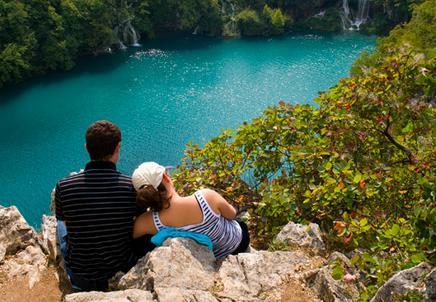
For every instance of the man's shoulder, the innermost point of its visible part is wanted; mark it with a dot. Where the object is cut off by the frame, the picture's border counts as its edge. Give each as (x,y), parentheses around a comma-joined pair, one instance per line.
(73,176)
(125,177)
(76,177)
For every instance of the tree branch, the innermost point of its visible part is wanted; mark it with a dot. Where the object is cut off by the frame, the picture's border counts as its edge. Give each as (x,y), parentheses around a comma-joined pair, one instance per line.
(387,133)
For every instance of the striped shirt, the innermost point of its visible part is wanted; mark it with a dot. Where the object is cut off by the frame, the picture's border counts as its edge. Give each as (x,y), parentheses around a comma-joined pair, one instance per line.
(98,206)
(226,235)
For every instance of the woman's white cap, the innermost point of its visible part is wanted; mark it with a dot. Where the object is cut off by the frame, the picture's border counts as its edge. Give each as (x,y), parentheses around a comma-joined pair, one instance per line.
(148,173)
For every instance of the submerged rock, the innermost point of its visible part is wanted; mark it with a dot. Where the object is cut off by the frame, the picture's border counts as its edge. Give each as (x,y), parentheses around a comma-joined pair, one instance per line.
(419,279)
(130,295)
(299,235)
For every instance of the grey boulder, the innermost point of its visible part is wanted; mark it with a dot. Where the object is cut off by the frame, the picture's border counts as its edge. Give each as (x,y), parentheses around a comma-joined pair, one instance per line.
(130,295)
(419,279)
(327,287)
(15,233)
(299,235)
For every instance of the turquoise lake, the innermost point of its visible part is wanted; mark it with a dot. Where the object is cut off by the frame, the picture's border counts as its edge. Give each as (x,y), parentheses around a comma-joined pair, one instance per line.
(163,95)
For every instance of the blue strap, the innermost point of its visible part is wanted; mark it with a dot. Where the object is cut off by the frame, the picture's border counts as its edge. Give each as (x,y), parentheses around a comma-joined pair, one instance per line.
(159,238)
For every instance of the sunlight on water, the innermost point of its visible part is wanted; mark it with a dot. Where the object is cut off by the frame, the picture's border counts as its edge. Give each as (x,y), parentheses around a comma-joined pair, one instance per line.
(162,96)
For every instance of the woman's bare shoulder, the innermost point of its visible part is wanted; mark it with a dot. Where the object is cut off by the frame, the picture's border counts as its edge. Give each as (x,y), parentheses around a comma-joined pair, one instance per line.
(212,198)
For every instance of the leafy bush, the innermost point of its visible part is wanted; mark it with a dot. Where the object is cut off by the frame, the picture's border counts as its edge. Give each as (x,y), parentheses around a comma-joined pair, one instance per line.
(249,23)
(274,19)
(361,164)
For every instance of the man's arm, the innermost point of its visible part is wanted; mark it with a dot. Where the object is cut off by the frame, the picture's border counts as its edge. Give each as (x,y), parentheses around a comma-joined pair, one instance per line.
(58,204)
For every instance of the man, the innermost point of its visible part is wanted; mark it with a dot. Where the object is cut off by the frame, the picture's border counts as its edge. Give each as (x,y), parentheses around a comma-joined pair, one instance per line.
(95,210)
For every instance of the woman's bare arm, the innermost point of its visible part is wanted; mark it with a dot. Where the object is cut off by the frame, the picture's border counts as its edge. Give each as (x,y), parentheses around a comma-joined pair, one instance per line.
(143,225)
(222,206)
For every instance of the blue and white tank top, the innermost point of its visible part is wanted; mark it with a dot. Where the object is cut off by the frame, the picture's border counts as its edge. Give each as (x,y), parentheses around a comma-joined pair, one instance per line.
(226,235)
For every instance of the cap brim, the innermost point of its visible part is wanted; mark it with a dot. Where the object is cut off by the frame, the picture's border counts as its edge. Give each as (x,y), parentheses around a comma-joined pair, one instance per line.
(169,168)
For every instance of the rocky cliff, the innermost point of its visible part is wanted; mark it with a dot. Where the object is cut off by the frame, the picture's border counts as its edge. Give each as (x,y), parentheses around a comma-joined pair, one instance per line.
(182,270)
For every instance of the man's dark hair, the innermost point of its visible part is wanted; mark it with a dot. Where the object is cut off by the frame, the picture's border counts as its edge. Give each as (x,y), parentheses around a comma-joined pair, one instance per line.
(102,138)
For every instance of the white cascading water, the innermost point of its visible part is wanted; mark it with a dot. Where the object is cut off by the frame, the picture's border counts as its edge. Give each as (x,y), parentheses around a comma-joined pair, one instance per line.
(231,25)
(350,22)
(130,31)
(121,45)
(126,34)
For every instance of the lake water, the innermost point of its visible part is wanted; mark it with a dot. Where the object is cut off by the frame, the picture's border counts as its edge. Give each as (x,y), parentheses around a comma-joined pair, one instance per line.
(162,96)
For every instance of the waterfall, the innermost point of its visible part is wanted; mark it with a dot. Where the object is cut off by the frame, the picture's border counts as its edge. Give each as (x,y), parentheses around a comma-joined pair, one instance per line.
(130,34)
(121,45)
(321,14)
(231,26)
(362,13)
(195,32)
(350,22)
(126,34)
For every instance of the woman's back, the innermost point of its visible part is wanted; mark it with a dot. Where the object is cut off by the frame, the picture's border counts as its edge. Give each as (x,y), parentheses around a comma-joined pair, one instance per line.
(183,211)
(196,214)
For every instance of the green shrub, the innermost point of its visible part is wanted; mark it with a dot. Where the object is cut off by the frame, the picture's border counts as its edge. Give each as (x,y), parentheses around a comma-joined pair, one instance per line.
(361,164)
(249,23)
(274,19)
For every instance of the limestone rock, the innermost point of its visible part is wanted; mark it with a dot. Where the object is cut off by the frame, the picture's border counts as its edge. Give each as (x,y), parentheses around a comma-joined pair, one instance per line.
(430,284)
(252,277)
(48,237)
(53,202)
(130,295)
(15,233)
(30,262)
(182,270)
(20,251)
(405,281)
(178,263)
(173,294)
(329,289)
(308,236)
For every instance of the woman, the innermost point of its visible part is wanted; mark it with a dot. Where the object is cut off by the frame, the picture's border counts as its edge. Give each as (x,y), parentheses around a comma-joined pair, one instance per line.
(205,212)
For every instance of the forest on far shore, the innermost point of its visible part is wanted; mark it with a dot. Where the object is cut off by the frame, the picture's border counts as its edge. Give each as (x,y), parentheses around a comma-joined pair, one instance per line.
(39,36)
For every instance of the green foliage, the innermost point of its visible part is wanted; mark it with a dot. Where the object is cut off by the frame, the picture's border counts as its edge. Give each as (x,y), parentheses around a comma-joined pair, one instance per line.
(13,62)
(361,164)
(249,22)
(388,13)
(274,19)
(53,34)
(268,22)
(329,22)
(174,15)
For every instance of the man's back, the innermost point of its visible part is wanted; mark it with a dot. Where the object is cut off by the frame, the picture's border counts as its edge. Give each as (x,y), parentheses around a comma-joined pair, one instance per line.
(98,207)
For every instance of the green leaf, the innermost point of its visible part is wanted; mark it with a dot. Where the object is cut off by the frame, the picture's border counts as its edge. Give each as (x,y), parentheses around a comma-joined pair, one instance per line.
(395,230)
(338,272)
(357,178)
(408,128)
(418,258)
